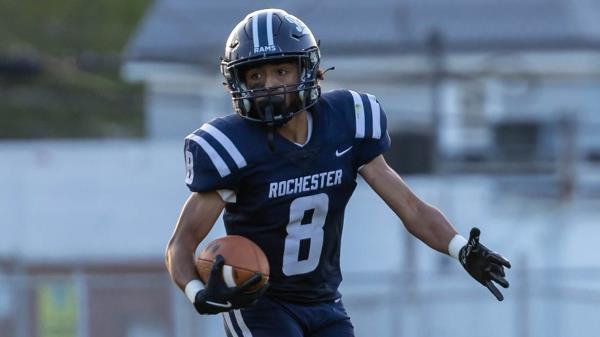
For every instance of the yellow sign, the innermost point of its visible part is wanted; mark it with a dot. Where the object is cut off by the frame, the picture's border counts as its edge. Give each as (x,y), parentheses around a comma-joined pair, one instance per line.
(57,309)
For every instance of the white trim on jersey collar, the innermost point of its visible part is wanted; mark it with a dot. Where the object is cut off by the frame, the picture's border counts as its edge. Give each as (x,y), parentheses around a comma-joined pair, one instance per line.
(309,122)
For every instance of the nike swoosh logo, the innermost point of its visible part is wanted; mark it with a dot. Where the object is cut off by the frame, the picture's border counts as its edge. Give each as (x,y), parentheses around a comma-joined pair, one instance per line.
(339,154)
(217,304)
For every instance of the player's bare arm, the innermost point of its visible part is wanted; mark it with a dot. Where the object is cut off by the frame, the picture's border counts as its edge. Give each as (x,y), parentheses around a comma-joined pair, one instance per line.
(429,225)
(421,219)
(199,214)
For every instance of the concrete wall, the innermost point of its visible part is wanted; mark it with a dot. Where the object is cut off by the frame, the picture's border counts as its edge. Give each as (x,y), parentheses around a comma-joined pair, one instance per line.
(115,202)
(99,200)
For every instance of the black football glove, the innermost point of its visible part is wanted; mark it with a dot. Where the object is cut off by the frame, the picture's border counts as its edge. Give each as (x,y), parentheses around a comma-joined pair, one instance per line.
(218,297)
(483,264)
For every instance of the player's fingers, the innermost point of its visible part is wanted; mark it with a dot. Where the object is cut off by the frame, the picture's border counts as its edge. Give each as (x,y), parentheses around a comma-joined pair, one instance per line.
(217,265)
(494,290)
(264,288)
(474,236)
(499,259)
(252,281)
(496,269)
(258,293)
(499,279)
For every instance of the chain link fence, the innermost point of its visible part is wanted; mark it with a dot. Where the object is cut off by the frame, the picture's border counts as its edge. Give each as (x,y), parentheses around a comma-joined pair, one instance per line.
(550,303)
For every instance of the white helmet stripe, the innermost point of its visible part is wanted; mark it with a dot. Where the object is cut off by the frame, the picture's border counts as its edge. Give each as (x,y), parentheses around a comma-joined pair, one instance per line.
(255,38)
(270,27)
(216,159)
(375,113)
(227,144)
(359,114)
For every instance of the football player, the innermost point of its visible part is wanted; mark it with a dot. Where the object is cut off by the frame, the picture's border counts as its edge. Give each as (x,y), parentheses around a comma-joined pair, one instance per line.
(283,168)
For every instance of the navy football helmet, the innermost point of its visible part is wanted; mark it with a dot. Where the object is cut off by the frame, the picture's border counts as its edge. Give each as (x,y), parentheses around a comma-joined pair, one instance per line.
(271,35)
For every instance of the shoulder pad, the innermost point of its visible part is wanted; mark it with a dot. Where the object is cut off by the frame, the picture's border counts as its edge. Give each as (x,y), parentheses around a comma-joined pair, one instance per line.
(362,112)
(368,116)
(212,158)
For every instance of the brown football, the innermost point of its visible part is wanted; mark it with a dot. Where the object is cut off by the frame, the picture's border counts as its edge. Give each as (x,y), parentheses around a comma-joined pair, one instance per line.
(242,258)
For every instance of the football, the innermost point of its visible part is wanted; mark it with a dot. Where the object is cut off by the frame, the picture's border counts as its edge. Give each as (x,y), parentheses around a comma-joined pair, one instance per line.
(242,258)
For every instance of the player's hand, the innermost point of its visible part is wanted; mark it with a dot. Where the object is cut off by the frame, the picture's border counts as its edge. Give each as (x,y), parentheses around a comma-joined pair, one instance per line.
(483,264)
(249,299)
(218,297)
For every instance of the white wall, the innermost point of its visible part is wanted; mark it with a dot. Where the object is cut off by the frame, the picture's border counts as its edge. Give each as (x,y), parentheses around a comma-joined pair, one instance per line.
(89,199)
(120,199)
(114,200)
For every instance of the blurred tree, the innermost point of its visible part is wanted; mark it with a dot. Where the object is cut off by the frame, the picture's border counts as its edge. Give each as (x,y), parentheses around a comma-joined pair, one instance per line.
(59,69)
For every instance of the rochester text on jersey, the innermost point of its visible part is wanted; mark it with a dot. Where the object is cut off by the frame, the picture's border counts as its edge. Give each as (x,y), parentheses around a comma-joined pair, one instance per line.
(304,184)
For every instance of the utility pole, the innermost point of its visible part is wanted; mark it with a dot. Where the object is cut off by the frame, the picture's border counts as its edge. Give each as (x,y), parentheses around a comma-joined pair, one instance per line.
(435,53)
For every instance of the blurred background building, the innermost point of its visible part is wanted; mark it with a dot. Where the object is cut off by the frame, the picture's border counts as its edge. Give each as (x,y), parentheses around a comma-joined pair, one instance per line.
(494,112)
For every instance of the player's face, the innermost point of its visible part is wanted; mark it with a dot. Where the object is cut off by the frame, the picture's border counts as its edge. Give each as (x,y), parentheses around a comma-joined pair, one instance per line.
(271,75)
(272,83)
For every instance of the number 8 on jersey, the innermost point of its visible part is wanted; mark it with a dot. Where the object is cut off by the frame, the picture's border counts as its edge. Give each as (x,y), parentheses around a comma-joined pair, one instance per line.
(307,218)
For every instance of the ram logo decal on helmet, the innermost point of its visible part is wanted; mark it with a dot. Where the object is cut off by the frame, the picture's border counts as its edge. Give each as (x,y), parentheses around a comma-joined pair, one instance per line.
(300,26)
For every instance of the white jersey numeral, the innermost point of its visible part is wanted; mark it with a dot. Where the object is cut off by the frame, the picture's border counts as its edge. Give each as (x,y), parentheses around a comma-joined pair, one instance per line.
(307,218)
(189,167)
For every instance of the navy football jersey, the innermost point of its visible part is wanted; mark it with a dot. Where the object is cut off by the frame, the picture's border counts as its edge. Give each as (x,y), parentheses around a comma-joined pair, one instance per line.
(291,201)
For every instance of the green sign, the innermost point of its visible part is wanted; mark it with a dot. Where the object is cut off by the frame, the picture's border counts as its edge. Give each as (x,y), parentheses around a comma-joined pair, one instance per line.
(57,309)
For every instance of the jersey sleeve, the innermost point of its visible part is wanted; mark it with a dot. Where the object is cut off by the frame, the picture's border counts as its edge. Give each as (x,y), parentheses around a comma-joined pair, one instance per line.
(212,160)
(371,134)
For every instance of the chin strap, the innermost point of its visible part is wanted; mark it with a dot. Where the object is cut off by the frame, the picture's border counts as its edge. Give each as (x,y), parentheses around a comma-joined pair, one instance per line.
(271,139)
(271,132)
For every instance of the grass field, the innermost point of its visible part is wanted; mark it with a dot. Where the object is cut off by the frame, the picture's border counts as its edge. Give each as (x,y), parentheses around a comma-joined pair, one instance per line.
(73,88)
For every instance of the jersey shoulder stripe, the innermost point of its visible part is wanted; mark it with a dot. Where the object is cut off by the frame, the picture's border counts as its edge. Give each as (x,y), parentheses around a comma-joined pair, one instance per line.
(376,116)
(216,139)
(231,149)
(359,114)
(214,156)
(367,113)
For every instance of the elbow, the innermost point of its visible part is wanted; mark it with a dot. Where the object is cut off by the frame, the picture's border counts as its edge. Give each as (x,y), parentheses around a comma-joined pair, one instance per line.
(178,248)
(169,253)
(419,218)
